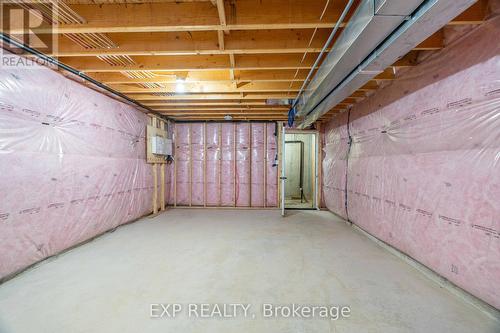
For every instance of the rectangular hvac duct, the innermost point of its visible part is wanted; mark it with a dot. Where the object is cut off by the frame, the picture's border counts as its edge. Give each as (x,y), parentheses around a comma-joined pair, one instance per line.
(372,22)
(395,7)
(429,17)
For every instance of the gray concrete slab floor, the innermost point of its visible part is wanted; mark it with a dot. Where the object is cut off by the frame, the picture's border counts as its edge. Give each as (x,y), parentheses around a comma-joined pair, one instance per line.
(194,256)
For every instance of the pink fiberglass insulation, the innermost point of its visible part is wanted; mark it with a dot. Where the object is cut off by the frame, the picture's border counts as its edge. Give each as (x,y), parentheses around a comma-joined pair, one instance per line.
(227,162)
(182,139)
(72,165)
(243,167)
(423,172)
(257,168)
(197,157)
(228,196)
(271,166)
(213,151)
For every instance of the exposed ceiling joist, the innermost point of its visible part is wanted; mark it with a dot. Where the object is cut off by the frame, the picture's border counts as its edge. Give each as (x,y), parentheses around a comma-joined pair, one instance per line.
(212,88)
(195,63)
(231,96)
(208,104)
(257,62)
(230,58)
(204,76)
(203,16)
(287,41)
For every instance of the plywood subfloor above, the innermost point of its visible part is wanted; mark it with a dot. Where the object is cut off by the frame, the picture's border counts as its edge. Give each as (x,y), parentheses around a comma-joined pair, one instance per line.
(165,50)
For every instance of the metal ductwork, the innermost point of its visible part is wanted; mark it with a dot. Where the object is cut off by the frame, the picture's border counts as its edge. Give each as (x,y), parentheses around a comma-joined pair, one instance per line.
(379,33)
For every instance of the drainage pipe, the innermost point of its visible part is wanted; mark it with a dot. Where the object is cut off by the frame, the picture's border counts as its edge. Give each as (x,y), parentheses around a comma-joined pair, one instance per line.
(301,168)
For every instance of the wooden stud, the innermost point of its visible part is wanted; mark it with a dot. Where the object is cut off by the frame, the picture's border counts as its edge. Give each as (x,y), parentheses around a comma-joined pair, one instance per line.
(234,163)
(250,163)
(155,178)
(155,189)
(265,166)
(174,139)
(154,169)
(314,142)
(162,177)
(220,163)
(204,164)
(190,166)
(320,164)
(157,126)
(280,154)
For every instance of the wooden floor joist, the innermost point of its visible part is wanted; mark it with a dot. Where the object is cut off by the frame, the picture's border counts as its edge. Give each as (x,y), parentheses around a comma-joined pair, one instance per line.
(192,16)
(161,44)
(190,60)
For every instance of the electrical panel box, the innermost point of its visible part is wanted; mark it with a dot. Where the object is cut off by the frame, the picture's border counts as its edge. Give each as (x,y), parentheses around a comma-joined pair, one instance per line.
(161,146)
(158,146)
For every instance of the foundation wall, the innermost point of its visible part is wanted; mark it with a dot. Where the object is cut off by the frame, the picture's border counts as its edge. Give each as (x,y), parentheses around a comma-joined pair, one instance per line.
(72,164)
(423,170)
(225,165)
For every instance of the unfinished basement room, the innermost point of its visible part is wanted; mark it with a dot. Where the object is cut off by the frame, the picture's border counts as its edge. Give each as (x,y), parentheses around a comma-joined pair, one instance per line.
(281,166)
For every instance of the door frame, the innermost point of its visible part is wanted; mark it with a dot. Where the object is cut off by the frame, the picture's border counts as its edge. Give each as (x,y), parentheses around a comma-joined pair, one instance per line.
(282,170)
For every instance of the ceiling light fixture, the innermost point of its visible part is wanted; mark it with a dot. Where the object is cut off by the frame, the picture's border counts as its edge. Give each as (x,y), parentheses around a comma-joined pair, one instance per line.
(179,86)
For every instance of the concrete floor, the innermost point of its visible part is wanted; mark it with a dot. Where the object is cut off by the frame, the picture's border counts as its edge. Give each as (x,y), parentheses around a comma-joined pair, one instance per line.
(223,256)
(296,204)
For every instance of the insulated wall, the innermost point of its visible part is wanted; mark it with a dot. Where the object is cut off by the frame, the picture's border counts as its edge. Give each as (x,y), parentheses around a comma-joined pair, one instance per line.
(423,170)
(72,165)
(225,164)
